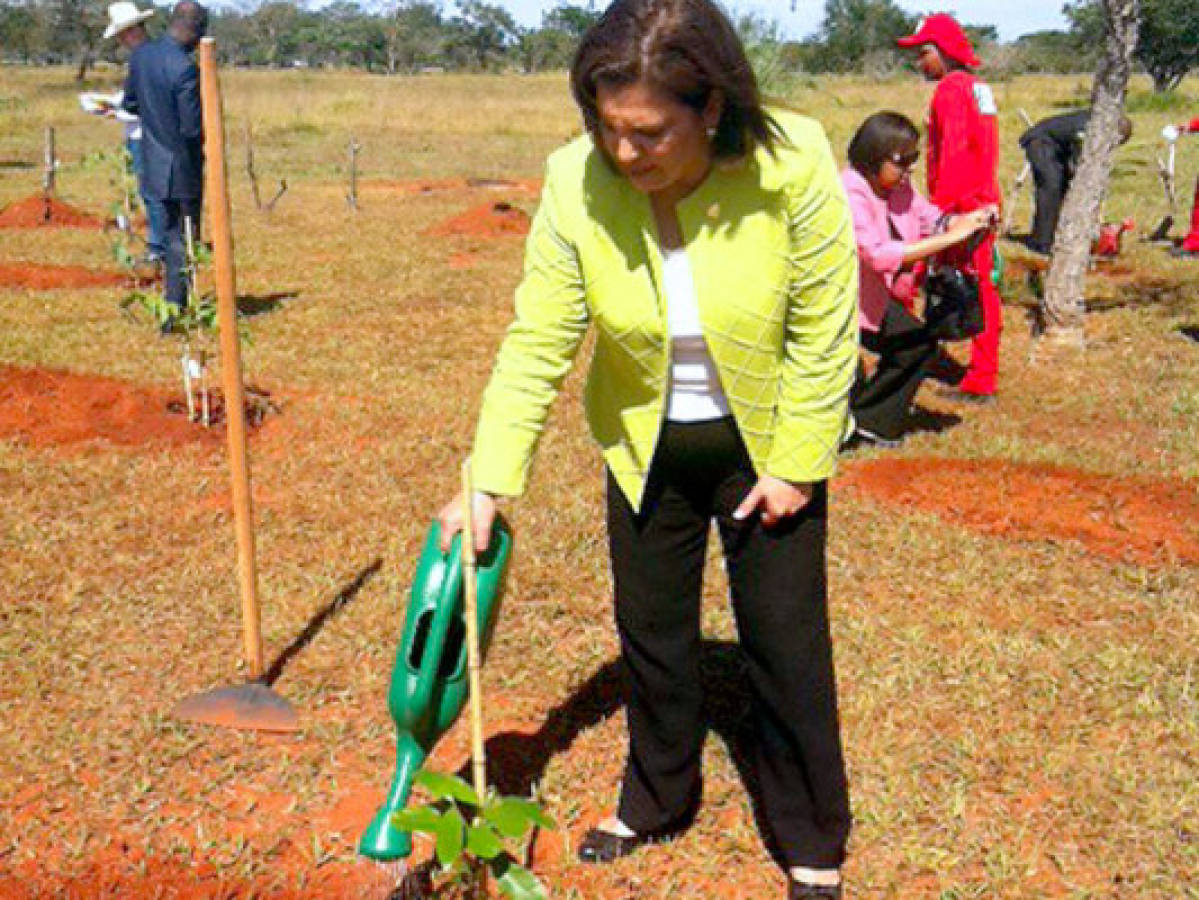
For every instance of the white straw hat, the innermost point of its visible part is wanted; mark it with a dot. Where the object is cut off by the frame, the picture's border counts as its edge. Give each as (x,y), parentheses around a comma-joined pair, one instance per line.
(124,15)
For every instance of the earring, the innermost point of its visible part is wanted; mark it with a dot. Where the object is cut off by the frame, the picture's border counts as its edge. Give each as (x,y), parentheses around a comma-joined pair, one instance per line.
(710,131)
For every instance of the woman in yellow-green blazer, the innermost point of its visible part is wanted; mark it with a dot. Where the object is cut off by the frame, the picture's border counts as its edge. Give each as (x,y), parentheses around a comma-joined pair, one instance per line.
(708,243)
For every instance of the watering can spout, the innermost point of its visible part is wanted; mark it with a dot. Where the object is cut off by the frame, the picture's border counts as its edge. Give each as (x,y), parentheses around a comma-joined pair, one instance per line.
(429,684)
(382,841)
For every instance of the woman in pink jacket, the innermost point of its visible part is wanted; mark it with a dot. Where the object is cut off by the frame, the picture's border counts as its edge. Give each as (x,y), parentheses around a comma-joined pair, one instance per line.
(895,228)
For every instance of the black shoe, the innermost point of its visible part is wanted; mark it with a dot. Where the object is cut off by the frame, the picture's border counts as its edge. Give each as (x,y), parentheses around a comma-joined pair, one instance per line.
(601,847)
(804,891)
(957,395)
(874,439)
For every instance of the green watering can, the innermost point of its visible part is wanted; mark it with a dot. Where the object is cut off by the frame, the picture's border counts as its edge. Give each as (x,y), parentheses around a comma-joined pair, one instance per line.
(429,684)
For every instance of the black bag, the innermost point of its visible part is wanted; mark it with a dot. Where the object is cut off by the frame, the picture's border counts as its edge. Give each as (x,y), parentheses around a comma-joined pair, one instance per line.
(952,311)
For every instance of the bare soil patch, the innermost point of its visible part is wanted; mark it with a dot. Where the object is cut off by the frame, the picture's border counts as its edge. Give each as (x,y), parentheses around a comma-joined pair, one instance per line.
(31,213)
(488,220)
(53,409)
(1133,520)
(41,277)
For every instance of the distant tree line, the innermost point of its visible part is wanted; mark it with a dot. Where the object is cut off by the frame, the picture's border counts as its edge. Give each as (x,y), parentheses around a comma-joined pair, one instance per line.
(395,36)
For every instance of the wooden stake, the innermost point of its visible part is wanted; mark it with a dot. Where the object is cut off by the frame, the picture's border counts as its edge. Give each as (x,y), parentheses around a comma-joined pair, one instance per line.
(216,189)
(250,167)
(49,165)
(474,660)
(352,196)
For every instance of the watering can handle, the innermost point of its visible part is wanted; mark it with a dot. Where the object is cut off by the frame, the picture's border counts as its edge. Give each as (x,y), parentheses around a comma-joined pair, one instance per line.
(449,601)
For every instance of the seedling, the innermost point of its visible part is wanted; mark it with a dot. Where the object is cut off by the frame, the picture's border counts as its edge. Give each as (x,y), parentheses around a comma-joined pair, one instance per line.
(471,836)
(195,324)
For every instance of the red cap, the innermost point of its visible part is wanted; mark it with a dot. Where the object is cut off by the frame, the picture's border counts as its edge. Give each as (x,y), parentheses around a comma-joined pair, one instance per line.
(942,31)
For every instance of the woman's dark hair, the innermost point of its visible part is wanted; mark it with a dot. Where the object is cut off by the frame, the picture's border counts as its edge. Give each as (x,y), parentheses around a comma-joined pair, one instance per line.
(688,49)
(878,139)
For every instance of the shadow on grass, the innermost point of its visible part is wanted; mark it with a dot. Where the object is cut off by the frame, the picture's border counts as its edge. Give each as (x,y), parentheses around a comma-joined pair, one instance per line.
(921,419)
(517,761)
(312,629)
(250,305)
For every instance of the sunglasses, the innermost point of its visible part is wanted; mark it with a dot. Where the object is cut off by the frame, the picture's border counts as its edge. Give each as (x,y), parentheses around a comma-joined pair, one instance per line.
(905,160)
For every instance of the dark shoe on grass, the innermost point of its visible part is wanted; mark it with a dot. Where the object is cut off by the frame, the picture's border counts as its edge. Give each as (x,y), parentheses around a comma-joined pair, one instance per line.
(601,847)
(866,436)
(803,891)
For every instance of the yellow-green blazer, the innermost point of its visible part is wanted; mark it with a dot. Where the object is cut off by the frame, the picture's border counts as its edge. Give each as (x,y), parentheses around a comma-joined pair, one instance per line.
(772,250)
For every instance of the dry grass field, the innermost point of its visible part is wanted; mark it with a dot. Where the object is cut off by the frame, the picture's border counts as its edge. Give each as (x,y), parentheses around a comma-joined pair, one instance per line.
(1013,592)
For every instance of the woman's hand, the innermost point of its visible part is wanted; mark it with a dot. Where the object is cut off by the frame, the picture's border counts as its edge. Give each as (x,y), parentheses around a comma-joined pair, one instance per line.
(964,225)
(774,499)
(451,519)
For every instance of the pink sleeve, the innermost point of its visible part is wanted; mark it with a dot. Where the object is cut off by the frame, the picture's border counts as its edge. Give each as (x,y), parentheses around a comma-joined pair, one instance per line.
(877,249)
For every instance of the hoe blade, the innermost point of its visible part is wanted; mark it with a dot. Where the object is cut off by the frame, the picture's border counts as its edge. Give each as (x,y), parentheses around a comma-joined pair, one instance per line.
(252,706)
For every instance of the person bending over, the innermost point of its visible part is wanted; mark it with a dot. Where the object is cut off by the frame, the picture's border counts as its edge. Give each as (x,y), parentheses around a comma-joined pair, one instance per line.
(707,242)
(895,228)
(1053,147)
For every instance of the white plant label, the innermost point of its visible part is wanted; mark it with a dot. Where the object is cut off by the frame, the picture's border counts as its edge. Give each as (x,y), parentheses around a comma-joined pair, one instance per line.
(985,99)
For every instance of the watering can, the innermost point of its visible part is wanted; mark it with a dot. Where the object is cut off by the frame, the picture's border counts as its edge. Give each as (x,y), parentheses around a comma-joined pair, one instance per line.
(429,684)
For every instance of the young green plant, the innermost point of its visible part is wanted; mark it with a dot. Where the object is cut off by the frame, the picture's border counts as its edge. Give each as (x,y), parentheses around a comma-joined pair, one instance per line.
(471,835)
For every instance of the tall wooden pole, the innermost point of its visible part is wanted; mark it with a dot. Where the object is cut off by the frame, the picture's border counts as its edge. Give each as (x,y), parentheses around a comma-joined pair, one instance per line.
(474,653)
(216,188)
(474,656)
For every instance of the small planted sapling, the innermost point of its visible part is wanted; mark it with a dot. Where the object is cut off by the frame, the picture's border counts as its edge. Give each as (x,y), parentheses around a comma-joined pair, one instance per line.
(471,835)
(195,325)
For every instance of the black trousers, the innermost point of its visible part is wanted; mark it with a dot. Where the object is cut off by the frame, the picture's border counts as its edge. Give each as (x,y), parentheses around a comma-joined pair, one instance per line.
(702,471)
(881,402)
(175,258)
(1051,174)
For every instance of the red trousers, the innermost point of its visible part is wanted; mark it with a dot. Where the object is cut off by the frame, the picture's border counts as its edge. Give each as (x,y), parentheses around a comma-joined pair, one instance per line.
(1191,241)
(982,374)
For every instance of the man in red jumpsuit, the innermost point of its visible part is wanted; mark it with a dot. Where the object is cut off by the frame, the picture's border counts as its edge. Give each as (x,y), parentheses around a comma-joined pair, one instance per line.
(963,157)
(1190,243)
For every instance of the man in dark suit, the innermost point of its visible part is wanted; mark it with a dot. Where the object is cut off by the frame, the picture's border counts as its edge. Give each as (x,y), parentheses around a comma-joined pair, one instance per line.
(1053,147)
(163,88)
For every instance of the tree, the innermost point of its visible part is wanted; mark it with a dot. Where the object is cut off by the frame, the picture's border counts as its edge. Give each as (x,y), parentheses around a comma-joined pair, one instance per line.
(74,28)
(571,19)
(415,35)
(22,32)
(852,29)
(1062,307)
(485,31)
(1169,44)
(1169,36)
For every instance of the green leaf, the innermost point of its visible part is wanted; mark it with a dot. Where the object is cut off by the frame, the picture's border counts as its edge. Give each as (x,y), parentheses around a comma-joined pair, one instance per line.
(513,816)
(447,787)
(451,834)
(422,818)
(515,880)
(482,841)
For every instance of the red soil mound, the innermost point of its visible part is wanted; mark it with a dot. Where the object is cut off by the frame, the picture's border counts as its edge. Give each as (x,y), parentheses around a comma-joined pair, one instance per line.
(48,408)
(31,213)
(40,277)
(488,220)
(1127,519)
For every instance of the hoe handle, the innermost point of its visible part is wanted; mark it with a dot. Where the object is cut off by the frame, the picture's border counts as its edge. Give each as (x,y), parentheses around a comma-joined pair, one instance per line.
(235,401)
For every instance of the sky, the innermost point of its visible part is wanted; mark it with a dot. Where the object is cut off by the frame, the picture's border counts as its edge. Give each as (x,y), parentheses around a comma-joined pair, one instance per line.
(1011,17)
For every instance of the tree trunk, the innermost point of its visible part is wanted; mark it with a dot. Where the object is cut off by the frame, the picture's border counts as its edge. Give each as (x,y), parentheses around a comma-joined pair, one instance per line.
(1063,310)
